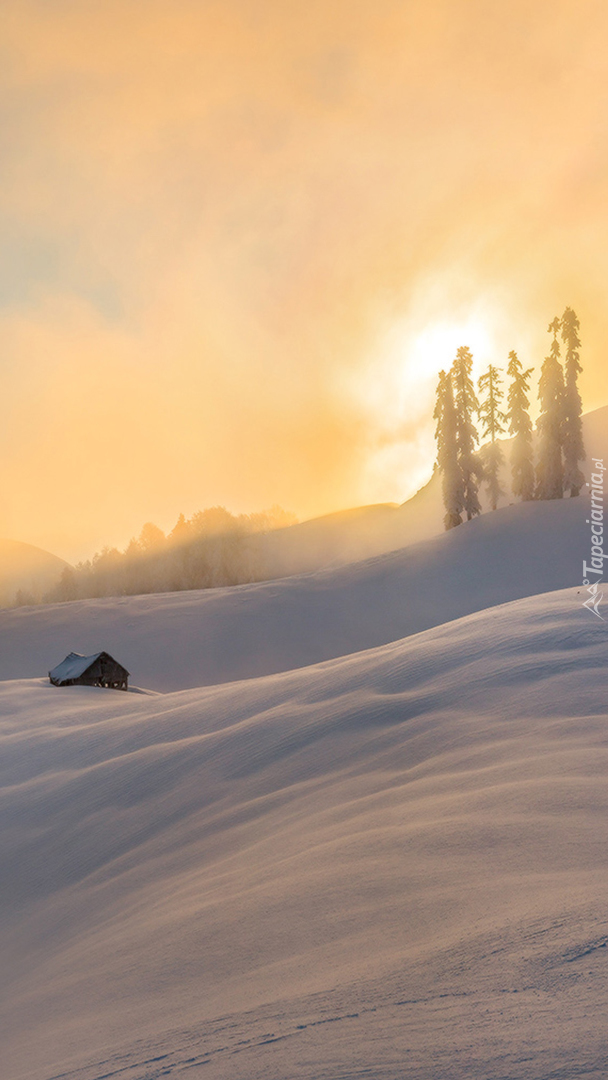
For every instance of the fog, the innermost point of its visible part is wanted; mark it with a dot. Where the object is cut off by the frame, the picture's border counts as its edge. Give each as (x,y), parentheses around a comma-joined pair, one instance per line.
(240,239)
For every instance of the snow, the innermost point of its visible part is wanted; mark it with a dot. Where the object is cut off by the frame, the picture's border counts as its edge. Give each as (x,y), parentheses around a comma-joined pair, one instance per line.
(392,864)
(375,844)
(180,640)
(73,666)
(328,541)
(358,534)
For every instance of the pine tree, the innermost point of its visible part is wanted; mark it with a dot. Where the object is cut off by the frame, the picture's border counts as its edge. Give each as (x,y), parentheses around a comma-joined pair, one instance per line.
(520,426)
(493,425)
(467,406)
(574,449)
(447,452)
(550,472)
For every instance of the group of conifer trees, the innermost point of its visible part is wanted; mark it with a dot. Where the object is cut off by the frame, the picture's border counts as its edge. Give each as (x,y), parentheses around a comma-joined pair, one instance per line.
(212,548)
(560,432)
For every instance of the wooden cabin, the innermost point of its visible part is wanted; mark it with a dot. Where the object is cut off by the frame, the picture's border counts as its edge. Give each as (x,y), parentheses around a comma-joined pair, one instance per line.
(101,669)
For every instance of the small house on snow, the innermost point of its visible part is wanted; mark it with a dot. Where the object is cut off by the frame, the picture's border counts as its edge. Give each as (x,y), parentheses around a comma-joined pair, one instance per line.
(101,669)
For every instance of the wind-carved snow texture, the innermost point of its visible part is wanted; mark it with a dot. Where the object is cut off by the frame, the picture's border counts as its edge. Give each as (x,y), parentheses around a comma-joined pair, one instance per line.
(389,865)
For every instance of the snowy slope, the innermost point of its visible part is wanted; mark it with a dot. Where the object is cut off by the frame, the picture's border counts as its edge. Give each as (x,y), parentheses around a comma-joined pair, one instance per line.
(28,568)
(392,865)
(328,541)
(371,530)
(180,640)
(348,535)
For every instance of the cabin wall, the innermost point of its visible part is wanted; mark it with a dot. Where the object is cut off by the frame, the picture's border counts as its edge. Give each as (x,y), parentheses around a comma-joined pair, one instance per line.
(105,672)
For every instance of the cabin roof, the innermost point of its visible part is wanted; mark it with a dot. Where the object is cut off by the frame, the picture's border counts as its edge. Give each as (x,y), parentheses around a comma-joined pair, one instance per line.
(75,665)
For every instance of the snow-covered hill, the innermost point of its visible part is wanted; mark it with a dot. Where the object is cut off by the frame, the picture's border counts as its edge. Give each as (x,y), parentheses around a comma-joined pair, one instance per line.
(372,530)
(26,568)
(391,865)
(179,640)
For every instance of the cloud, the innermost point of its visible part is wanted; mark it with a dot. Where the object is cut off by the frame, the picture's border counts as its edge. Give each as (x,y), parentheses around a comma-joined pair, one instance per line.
(218,213)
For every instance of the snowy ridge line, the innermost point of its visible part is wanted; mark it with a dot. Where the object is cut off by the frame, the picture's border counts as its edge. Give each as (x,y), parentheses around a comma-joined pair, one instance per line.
(183,640)
(333,539)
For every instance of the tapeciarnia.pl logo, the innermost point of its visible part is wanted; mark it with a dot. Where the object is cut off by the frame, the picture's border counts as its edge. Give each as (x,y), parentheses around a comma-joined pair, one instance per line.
(596,521)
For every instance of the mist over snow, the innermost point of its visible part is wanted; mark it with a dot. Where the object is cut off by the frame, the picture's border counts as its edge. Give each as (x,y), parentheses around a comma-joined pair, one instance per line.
(392,864)
(27,569)
(179,640)
(351,821)
(335,859)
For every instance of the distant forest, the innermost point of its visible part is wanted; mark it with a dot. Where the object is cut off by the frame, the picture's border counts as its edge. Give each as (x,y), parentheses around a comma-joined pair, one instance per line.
(560,447)
(215,548)
(211,548)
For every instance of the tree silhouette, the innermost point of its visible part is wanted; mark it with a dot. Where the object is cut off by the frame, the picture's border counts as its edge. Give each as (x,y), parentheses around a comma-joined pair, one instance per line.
(520,426)
(574,449)
(467,406)
(492,425)
(447,452)
(549,472)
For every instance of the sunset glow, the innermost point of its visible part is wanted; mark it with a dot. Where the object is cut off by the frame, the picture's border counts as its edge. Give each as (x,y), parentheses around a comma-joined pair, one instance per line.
(303,596)
(240,240)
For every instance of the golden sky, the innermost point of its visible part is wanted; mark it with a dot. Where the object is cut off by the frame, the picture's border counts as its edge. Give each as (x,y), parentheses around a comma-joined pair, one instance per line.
(240,238)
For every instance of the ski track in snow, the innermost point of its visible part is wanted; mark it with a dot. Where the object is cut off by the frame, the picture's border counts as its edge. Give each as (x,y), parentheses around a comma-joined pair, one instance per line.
(230,1046)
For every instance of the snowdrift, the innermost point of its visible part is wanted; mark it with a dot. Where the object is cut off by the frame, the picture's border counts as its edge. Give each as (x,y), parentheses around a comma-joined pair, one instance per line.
(179,640)
(391,865)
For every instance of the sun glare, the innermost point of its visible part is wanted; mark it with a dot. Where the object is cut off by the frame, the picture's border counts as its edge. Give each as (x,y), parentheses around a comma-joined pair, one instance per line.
(399,389)
(412,357)
(434,348)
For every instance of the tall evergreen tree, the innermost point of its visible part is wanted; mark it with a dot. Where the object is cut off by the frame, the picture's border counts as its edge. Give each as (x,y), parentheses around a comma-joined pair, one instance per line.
(447,452)
(467,406)
(520,426)
(550,472)
(574,449)
(492,426)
